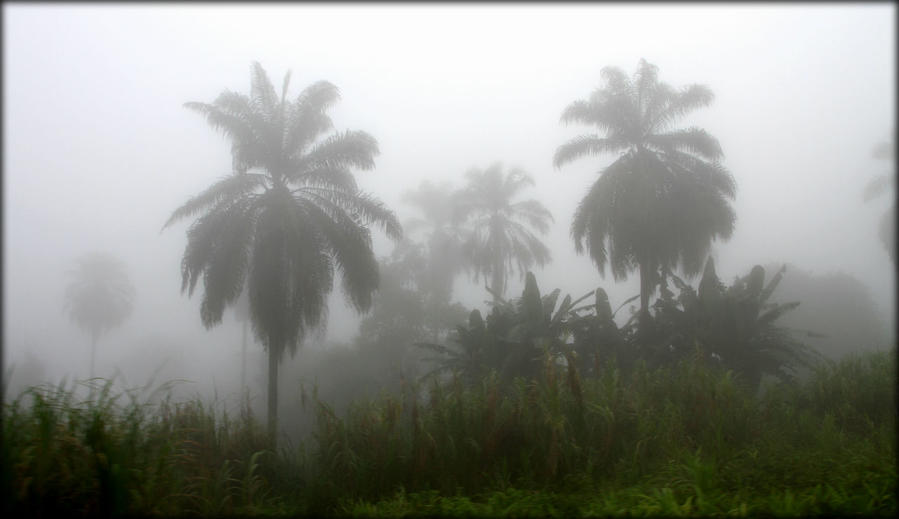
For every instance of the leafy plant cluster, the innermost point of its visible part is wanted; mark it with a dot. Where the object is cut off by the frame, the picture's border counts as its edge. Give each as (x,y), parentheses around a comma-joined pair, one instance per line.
(733,327)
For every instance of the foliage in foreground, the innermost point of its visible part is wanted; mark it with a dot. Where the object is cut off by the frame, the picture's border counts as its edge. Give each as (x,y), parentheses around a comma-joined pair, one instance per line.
(680,440)
(111,454)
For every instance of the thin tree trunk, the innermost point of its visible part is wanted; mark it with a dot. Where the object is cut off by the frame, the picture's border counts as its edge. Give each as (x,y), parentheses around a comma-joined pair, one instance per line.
(497,282)
(243,362)
(93,352)
(646,287)
(272,396)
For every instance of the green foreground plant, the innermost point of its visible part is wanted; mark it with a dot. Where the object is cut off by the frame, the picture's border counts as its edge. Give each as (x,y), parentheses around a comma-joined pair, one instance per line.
(686,439)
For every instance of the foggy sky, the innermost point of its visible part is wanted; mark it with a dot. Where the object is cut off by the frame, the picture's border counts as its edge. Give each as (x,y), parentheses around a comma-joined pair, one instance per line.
(98,150)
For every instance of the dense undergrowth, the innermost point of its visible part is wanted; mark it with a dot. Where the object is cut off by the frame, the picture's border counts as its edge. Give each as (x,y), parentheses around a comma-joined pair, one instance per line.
(684,439)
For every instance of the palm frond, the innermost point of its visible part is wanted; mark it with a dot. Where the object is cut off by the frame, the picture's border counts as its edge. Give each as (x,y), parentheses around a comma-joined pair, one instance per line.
(235,127)
(685,101)
(692,140)
(616,80)
(514,181)
(307,118)
(350,246)
(284,86)
(226,189)
(224,273)
(365,209)
(262,92)
(325,176)
(585,145)
(645,80)
(534,213)
(349,149)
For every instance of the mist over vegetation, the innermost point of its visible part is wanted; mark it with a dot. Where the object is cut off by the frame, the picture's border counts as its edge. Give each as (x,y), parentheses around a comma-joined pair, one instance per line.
(492,263)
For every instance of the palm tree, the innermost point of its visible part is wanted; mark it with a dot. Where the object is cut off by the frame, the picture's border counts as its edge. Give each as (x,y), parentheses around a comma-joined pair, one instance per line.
(884,184)
(501,236)
(99,296)
(666,197)
(287,217)
(439,220)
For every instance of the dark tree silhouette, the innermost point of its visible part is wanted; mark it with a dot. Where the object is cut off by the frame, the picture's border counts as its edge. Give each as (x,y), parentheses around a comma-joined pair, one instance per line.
(666,197)
(287,217)
(99,296)
(501,237)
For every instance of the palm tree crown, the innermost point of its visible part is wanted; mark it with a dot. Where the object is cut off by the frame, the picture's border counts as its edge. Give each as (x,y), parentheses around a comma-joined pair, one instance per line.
(287,217)
(501,238)
(666,197)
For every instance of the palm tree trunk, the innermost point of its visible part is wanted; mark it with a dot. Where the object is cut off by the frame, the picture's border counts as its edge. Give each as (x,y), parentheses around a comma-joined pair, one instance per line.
(272,395)
(646,288)
(93,352)
(243,361)
(497,281)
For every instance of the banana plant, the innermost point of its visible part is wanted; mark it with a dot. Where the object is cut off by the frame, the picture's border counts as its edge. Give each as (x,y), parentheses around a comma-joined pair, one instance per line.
(515,337)
(736,325)
(541,328)
(598,339)
(472,354)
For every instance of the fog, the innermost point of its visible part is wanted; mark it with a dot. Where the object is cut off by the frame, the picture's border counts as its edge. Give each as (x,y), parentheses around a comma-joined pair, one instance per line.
(99,150)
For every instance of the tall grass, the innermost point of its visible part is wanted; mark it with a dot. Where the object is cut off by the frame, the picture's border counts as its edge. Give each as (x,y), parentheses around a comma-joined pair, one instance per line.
(684,439)
(111,454)
(689,428)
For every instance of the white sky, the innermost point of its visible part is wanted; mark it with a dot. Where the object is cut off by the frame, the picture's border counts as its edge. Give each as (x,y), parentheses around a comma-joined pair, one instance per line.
(98,149)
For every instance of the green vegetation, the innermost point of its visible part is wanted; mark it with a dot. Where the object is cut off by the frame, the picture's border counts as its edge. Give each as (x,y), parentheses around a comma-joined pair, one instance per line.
(544,406)
(684,439)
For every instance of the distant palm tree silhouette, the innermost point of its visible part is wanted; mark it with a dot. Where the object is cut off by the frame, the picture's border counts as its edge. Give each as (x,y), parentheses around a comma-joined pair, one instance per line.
(99,296)
(502,237)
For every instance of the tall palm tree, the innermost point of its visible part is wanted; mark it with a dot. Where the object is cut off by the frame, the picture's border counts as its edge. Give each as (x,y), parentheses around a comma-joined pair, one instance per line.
(287,217)
(666,196)
(501,237)
(443,235)
(99,296)
(879,185)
